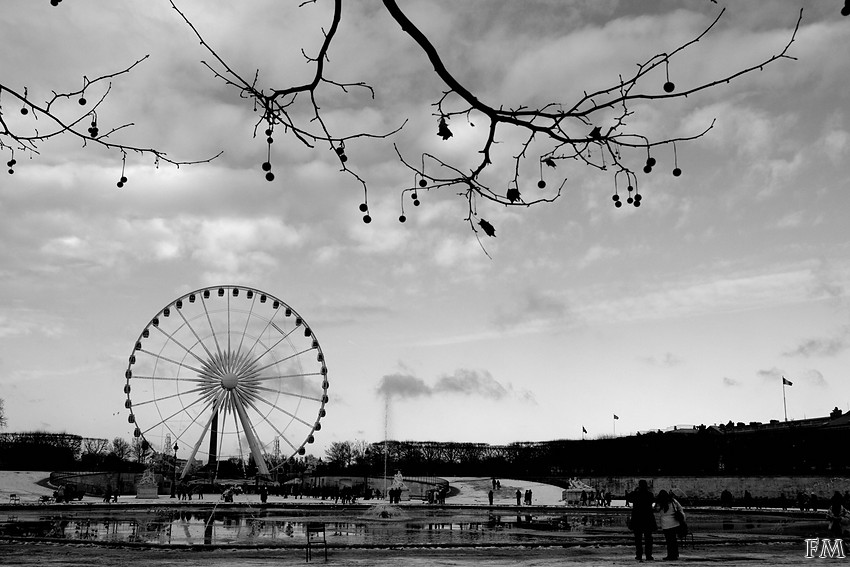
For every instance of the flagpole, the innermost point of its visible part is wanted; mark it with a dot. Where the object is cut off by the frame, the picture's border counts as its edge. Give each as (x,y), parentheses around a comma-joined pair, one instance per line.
(784,406)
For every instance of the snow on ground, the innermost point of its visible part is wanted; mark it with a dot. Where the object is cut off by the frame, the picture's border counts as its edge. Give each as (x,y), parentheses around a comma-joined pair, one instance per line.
(23,483)
(473,490)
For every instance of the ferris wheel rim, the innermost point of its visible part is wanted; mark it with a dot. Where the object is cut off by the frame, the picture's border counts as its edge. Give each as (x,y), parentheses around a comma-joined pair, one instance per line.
(240,389)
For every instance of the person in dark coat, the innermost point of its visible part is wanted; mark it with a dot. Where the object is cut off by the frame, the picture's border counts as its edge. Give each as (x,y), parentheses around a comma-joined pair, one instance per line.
(642,521)
(839,517)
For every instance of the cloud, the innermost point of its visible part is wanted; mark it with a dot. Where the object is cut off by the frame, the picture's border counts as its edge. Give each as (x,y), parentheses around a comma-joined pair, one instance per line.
(597,253)
(729,382)
(703,293)
(772,374)
(791,220)
(450,252)
(24,321)
(463,381)
(836,144)
(403,386)
(823,346)
(383,236)
(814,378)
(811,377)
(668,360)
(829,280)
(532,306)
(234,247)
(351,311)
(470,382)
(237,246)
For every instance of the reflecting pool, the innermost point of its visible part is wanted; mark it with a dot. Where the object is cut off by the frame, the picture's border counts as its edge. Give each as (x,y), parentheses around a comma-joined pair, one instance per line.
(375,526)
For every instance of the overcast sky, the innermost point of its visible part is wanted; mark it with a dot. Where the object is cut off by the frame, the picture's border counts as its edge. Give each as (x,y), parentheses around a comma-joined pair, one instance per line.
(685,311)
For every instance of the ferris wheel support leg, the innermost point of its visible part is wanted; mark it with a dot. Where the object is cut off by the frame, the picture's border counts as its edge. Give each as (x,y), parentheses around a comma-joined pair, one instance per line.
(256,451)
(198,442)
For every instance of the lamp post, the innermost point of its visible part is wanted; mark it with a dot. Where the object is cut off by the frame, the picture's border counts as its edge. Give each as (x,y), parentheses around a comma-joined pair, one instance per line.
(174,472)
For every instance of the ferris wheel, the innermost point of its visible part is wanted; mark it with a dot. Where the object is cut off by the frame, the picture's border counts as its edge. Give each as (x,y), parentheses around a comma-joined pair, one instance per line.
(227,371)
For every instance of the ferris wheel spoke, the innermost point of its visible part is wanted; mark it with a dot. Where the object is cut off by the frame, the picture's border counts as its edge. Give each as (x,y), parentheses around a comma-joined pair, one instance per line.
(152,400)
(283,338)
(228,321)
(250,435)
(256,371)
(169,378)
(276,430)
(280,377)
(178,343)
(288,442)
(249,401)
(191,423)
(210,376)
(165,358)
(280,409)
(247,322)
(194,332)
(225,408)
(182,409)
(303,397)
(236,426)
(212,329)
(269,323)
(240,363)
(212,403)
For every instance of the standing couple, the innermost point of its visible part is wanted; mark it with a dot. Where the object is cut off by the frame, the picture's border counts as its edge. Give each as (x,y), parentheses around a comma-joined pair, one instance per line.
(642,521)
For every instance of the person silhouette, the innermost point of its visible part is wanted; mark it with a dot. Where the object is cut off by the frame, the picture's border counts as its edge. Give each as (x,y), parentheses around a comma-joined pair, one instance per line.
(642,521)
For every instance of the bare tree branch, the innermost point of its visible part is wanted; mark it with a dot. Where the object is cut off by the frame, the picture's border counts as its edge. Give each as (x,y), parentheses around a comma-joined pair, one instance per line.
(551,121)
(29,140)
(578,132)
(591,131)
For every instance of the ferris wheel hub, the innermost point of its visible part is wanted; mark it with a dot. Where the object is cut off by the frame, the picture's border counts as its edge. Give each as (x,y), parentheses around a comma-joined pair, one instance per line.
(229,380)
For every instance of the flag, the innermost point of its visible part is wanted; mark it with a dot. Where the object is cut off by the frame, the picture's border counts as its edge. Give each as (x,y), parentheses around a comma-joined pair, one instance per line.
(786,382)
(583,430)
(616,416)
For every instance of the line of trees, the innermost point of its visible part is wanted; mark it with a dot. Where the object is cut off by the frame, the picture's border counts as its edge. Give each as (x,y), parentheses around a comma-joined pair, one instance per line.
(342,455)
(40,450)
(702,451)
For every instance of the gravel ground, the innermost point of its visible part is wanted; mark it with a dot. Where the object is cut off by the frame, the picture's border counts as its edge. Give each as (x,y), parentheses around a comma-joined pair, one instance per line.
(67,555)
